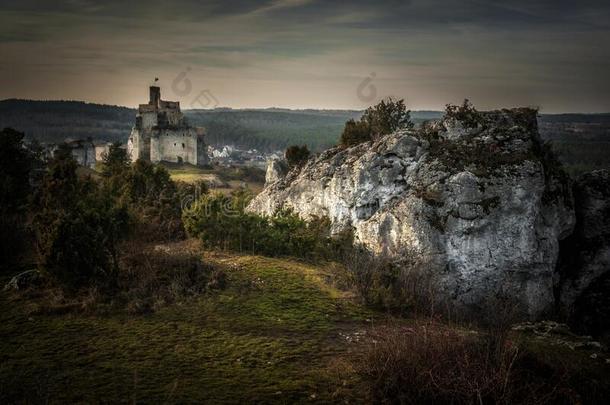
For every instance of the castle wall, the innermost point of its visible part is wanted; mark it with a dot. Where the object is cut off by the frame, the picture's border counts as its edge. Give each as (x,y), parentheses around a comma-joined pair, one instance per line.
(138,145)
(100,150)
(149,119)
(162,133)
(174,118)
(174,145)
(155,149)
(84,155)
(133,147)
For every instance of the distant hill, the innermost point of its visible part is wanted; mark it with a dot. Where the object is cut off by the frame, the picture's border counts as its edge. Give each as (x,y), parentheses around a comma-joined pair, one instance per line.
(264,129)
(583,140)
(272,129)
(53,121)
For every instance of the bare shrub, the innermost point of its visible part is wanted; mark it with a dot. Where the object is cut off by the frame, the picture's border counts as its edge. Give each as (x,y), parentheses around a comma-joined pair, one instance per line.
(91,299)
(429,362)
(408,286)
(419,288)
(148,227)
(495,318)
(154,277)
(361,268)
(149,277)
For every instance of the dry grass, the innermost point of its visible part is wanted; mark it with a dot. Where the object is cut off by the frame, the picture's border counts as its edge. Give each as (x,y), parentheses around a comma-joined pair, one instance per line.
(220,179)
(151,277)
(155,276)
(429,362)
(406,288)
(467,358)
(265,338)
(276,327)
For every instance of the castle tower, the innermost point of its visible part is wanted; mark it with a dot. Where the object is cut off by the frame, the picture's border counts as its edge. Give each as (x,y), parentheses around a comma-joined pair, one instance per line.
(155,96)
(162,133)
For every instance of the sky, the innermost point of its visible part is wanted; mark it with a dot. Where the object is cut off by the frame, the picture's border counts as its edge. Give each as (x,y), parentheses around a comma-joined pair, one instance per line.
(550,54)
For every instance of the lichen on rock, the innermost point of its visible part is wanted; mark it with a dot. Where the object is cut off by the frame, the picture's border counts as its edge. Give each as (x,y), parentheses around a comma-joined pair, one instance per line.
(475,200)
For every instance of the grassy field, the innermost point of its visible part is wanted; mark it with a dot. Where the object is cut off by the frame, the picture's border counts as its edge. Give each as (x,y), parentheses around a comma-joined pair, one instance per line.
(222,179)
(268,337)
(280,332)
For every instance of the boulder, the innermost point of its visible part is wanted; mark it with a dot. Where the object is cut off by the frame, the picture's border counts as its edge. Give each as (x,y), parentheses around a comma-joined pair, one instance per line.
(484,205)
(276,170)
(23,281)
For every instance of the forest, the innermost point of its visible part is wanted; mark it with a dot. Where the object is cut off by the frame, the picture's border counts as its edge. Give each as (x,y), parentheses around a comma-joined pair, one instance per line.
(582,141)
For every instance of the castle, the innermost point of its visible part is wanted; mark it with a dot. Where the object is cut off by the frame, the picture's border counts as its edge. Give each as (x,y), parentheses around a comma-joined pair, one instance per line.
(162,133)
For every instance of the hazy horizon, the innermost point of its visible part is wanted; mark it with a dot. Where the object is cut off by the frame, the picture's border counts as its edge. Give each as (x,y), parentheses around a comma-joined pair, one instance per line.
(440,110)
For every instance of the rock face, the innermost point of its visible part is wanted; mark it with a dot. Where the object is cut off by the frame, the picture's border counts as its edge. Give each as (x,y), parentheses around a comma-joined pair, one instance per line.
(276,170)
(585,288)
(23,281)
(476,197)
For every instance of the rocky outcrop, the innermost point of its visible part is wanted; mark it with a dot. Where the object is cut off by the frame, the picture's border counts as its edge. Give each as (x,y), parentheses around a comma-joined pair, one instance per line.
(23,281)
(585,289)
(478,198)
(276,170)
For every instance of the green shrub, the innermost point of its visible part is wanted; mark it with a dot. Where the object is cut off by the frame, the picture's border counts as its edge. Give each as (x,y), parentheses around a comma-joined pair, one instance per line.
(465,113)
(297,155)
(401,288)
(77,227)
(16,163)
(388,116)
(354,133)
(153,199)
(115,163)
(221,222)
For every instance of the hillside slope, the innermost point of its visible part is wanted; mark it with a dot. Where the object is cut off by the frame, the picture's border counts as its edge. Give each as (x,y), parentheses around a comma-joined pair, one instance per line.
(278,333)
(268,337)
(480,204)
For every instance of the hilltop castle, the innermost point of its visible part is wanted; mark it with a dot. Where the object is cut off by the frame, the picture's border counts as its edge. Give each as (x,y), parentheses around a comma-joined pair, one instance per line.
(162,133)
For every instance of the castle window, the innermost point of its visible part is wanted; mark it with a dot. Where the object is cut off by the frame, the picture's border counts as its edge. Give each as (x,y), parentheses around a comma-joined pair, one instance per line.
(182,146)
(174,143)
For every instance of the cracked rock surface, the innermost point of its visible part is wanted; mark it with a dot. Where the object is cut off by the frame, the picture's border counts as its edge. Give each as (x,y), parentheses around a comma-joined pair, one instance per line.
(484,205)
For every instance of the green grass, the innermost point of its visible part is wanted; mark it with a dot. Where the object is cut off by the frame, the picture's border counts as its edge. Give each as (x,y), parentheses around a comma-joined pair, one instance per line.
(276,334)
(268,337)
(222,179)
(189,173)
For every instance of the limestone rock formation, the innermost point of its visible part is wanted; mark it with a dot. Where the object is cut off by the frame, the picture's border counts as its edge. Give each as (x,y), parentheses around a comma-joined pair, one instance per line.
(585,255)
(478,197)
(276,170)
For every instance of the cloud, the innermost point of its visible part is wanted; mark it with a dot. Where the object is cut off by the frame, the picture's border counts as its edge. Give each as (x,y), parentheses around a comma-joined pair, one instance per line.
(425,49)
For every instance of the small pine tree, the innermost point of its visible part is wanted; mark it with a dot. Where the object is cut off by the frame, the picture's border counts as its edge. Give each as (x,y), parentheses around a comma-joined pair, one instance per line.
(297,155)
(77,227)
(465,113)
(355,132)
(16,163)
(115,168)
(387,116)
